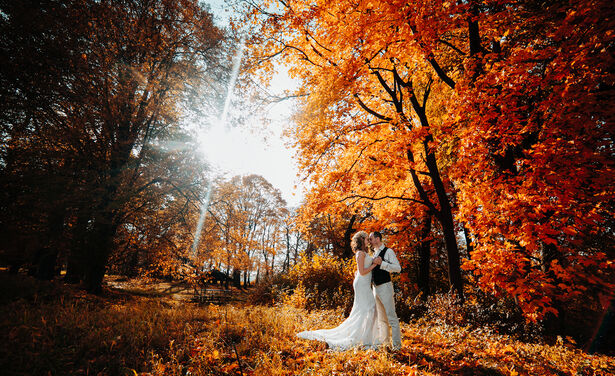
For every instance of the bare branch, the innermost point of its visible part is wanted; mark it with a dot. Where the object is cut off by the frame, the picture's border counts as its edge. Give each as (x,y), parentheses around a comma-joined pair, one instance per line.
(386,197)
(370,111)
(451,46)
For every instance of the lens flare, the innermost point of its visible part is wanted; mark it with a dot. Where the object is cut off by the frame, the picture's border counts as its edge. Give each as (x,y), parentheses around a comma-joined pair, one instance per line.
(222,124)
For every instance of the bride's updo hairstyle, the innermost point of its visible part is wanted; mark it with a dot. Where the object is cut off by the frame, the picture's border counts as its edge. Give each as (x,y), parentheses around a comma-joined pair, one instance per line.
(358,241)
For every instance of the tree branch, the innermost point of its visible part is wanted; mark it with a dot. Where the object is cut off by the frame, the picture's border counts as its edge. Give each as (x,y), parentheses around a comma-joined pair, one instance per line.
(419,187)
(451,46)
(386,197)
(440,72)
(370,111)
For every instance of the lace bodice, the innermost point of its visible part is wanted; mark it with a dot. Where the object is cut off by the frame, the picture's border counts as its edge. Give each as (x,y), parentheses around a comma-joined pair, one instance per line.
(366,264)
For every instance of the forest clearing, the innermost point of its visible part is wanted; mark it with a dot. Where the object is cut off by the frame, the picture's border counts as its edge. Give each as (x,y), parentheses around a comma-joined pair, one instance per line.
(307,187)
(49,328)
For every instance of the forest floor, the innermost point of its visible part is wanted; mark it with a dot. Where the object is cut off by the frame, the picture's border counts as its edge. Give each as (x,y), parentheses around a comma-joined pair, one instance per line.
(156,288)
(138,328)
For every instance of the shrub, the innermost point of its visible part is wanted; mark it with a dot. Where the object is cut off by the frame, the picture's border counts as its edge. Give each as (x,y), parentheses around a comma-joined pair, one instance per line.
(271,289)
(321,282)
(502,315)
(327,282)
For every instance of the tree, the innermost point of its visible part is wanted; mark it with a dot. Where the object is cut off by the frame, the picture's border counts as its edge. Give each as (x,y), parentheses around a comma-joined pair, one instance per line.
(363,132)
(535,149)
(249,214)
(94,89)
(472,111)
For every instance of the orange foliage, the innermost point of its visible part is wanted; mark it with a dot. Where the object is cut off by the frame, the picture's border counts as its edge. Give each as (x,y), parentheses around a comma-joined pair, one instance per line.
(503,104)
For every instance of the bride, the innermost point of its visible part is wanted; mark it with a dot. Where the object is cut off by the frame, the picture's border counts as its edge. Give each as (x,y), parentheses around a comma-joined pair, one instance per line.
(361,327)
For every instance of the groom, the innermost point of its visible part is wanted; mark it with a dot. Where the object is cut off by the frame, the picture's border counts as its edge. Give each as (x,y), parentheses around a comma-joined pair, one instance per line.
(383,287)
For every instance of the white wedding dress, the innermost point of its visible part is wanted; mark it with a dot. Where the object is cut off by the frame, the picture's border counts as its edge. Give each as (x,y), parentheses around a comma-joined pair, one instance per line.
(361,327)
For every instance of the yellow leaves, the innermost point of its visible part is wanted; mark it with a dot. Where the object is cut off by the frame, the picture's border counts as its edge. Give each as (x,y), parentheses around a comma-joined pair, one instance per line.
(269,345)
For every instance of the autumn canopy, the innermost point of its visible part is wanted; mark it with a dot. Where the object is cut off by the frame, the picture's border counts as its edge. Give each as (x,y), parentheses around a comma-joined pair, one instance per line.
(489,119)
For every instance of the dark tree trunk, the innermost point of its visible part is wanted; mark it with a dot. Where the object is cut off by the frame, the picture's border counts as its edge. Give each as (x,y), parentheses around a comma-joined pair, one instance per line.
(246,275)
(99,249)
(469,246)
(75,259)
(286,263)
(133,263)
(237,278)
(446,220)
(74,270)
(424,253)
(604,333)
(46,263)
(309,250)
(48,254)
(548,253)
(348,238)
(445,213)
(107,211)
(473,31)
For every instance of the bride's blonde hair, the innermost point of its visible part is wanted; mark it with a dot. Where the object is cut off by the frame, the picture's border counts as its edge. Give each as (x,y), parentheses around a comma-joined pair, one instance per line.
(358,241)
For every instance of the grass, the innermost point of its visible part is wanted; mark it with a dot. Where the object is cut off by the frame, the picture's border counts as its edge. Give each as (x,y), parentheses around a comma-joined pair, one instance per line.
(52,329)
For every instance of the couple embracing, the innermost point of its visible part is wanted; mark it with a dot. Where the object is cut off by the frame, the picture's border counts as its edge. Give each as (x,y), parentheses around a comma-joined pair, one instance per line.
(372,321)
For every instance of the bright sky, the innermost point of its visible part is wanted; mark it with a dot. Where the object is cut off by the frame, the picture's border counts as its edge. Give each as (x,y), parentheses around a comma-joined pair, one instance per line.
(254,148)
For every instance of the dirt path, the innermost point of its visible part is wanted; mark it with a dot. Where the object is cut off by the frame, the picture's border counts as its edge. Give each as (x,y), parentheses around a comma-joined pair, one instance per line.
(177,291)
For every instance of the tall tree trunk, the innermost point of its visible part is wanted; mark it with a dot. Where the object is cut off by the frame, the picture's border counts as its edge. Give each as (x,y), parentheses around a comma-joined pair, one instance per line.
(469,246)
(473,31)
(47,259)
(444,214)
(101,241)
(246,276)
(348,238)
(286,263)
(133,262)
(110,205)
(309,251)
(75,259)
(237,278)
(227,273)
(424,253)
(296,253)
(446,220)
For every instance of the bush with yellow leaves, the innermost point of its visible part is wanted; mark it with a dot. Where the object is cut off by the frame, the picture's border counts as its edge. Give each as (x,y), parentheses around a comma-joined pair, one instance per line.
(320,282)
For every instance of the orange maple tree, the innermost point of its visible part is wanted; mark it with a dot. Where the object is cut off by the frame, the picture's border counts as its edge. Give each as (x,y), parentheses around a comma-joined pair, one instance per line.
(489,115)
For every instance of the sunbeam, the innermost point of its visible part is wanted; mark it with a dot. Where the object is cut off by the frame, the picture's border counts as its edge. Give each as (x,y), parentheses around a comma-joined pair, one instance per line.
(222,125)
(199,225)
